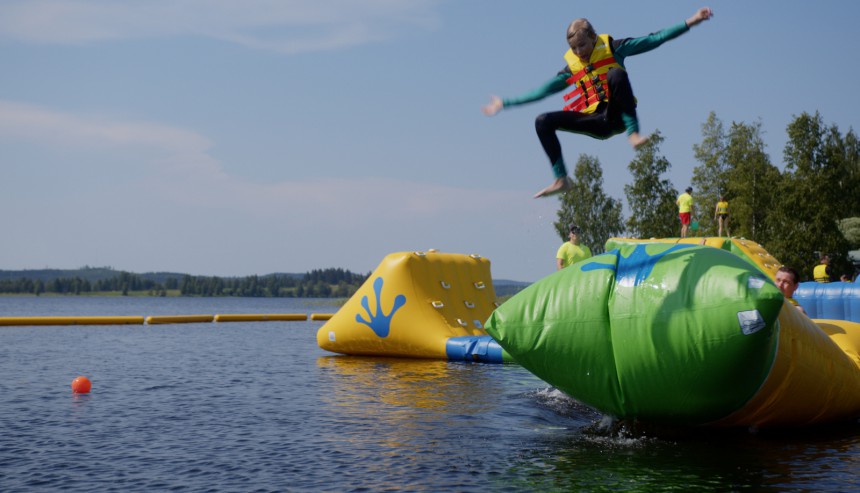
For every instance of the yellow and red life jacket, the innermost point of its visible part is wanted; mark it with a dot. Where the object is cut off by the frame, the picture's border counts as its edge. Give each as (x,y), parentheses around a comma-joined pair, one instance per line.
(589,79)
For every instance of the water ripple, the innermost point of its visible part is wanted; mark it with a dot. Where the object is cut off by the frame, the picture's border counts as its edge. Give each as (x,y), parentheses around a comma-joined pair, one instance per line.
(259,407)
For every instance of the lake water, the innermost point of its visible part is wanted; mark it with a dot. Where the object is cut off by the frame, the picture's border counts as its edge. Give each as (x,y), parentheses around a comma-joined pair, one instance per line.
(259,407)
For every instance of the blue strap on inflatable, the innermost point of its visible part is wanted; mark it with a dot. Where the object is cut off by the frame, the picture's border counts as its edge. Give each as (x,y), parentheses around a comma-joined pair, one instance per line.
(482,349)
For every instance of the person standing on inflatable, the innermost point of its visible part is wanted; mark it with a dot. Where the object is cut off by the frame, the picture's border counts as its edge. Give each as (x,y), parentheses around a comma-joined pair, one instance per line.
(685,210)
(601,102)
(571,251)
(721,214)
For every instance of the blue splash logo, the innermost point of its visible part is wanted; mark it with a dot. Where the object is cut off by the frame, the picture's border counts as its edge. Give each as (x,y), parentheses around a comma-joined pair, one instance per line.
(379,322)
(634,269)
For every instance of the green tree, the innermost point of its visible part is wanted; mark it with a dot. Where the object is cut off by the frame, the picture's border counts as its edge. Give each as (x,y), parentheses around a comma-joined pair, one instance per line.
(807,212)
(850,228)
(711,177)
(843,157)
(651,198)
(587,206)
(187,286)
(852,152)
(752,183)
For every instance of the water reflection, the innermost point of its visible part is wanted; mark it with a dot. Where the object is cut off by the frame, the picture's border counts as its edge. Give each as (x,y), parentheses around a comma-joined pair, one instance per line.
(407,419)
(409,385)
(613,459)
(259,407)
(538,439)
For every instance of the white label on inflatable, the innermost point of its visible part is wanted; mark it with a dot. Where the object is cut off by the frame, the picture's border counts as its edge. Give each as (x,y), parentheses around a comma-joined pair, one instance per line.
(755,283)
(331,336)
(750,321)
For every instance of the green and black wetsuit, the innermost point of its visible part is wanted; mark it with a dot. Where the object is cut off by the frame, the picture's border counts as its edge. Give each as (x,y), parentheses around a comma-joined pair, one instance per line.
(611,118)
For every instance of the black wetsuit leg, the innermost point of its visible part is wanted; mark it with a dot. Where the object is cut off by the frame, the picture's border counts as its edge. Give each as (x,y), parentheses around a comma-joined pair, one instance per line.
(621,98)
(603,123)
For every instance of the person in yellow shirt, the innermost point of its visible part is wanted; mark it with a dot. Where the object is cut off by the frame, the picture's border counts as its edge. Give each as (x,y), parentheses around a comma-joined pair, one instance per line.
(571,251)
(721,214)
(685,210)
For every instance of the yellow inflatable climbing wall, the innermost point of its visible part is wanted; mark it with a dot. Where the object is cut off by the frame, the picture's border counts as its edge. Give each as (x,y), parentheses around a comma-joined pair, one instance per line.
(421,305)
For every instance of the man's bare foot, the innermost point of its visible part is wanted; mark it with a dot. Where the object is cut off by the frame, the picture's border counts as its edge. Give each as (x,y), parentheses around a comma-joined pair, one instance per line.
(637,140)
(558,186)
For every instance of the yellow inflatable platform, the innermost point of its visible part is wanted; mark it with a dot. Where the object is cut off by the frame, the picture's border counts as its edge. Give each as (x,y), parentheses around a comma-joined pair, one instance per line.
(815,377)
(420,305)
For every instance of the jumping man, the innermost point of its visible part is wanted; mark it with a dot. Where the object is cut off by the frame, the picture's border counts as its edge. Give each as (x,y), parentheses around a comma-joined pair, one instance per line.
(600,103)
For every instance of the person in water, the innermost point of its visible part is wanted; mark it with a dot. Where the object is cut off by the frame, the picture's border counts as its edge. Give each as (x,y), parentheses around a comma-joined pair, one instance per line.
(787,280)
(600,103)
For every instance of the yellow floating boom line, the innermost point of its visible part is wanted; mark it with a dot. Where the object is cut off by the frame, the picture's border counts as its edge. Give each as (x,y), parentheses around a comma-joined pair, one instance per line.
(179,319)
(71,320)
(261,317)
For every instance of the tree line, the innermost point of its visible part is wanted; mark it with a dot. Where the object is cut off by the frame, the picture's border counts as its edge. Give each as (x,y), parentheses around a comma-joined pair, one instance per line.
(808,208)
(320,283)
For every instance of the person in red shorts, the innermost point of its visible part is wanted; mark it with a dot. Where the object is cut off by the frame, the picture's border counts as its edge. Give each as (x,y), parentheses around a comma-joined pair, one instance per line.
(685,210)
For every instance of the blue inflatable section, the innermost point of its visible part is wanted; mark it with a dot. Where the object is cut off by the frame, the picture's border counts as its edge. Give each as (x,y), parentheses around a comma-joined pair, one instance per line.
(483,349)
(830,300)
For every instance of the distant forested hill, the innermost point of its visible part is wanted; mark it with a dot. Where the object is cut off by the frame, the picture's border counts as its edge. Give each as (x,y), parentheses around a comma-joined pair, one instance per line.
(91,274)
(319,283)
(99,280)
(505,287)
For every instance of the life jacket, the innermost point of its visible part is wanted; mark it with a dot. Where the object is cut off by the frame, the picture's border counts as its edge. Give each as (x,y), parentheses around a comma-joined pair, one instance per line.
(820,273)
(589,80)
(722,207)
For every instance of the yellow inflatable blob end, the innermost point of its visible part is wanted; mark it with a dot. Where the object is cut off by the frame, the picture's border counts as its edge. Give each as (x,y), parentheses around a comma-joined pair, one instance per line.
(419,305)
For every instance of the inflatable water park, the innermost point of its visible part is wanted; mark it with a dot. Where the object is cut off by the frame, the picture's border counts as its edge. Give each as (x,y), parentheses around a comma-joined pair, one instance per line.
(677,331)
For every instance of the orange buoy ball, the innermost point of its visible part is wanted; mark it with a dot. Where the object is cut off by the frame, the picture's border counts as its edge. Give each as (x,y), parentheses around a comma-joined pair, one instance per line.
(81,385)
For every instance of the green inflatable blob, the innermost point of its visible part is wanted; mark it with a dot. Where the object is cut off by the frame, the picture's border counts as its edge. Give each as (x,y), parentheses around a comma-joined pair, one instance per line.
(679,334)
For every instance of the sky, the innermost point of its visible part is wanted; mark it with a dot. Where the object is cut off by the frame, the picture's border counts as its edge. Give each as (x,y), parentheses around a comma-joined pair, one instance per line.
(241,137)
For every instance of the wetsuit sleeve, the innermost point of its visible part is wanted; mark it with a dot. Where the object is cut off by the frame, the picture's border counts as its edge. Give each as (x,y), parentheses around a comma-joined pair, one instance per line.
(550,87)
(634,46)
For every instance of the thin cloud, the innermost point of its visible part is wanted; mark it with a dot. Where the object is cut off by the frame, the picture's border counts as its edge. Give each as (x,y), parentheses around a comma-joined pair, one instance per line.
(181,169)
(184,196)
(287,26)
(55,128)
